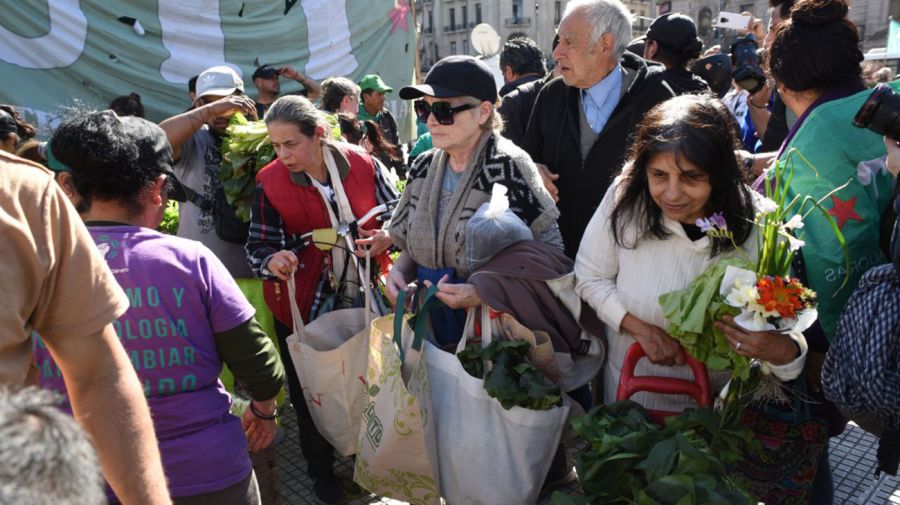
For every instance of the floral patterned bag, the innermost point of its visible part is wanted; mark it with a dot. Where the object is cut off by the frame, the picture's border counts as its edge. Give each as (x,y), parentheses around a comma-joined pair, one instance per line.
(782,469)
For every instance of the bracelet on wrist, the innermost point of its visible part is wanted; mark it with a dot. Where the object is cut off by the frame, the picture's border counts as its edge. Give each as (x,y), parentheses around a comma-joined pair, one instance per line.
(262,416)
(757,106)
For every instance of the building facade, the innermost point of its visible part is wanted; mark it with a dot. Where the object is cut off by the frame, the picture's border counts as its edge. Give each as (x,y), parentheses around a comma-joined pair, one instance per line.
(445,26)
(870,17)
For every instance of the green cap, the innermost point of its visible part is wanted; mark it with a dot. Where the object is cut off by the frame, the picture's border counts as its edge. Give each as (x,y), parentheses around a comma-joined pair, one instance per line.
(373,81)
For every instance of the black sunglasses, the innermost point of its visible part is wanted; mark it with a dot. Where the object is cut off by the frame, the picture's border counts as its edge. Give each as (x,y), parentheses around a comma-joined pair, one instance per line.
(443,111)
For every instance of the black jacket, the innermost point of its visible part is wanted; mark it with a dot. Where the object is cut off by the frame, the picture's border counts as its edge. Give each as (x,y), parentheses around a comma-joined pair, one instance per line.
(511,85)
(683,82)
(553,138)
(515,109)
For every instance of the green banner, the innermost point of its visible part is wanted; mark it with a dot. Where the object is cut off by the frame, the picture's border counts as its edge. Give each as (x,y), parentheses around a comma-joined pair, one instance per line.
(57,52)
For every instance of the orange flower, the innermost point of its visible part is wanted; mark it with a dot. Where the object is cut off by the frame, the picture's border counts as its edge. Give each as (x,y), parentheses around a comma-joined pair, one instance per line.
(777,296)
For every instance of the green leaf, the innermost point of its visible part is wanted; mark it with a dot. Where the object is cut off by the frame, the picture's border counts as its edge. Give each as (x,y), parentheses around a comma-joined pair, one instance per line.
(670,490)
(660,460)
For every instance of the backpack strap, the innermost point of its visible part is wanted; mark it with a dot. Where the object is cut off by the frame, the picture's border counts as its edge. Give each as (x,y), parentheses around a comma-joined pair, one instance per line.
(197,199)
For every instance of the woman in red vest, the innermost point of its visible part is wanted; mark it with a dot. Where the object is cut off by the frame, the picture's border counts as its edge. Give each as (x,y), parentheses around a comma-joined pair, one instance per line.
(314,183)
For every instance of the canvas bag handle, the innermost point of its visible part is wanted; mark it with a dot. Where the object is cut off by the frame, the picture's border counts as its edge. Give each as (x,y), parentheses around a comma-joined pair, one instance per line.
(295,310)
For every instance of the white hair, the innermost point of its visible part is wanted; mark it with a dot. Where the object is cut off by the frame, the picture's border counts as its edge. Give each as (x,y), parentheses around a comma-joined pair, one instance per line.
(605,16)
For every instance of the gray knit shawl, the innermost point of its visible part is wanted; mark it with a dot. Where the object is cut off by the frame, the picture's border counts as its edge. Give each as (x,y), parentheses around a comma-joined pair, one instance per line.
(414,227)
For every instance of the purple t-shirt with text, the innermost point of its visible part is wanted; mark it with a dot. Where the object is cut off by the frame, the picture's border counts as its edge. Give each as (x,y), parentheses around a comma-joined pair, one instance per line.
(180,294)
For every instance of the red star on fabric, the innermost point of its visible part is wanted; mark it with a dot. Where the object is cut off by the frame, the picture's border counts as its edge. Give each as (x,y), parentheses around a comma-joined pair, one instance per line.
(399,17)
(843,211)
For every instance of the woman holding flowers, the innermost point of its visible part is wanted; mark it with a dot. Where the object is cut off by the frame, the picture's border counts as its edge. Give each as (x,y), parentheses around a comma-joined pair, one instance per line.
(650,236)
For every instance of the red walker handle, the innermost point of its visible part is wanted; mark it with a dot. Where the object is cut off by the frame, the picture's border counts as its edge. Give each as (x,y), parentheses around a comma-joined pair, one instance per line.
(629,384)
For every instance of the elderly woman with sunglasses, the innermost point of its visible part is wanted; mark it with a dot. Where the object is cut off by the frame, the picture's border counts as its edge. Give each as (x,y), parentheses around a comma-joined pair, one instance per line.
(447,184)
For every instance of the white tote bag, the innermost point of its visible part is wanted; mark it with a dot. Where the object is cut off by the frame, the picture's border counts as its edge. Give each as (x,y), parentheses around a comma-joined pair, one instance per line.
(330,355)
(486,455)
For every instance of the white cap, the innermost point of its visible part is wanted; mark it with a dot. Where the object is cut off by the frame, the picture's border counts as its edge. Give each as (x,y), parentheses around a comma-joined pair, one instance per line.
(220,80)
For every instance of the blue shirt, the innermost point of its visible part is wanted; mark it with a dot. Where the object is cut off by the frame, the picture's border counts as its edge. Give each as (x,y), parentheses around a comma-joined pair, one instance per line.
(601,99)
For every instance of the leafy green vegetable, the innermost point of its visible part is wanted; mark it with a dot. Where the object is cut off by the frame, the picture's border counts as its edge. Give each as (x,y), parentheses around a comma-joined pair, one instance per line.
(512,379)
(334,125)
(169,222)
(245,151)
(691,313)
(631,460)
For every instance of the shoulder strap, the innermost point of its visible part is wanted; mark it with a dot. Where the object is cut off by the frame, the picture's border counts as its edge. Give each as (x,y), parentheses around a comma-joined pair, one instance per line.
(197,199)
(344,209)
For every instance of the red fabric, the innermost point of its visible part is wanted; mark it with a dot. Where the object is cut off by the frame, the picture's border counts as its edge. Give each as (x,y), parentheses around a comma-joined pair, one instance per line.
(302,210)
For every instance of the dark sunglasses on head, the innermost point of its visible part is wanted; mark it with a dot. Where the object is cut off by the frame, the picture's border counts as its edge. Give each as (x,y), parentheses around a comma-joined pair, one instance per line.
(443,111)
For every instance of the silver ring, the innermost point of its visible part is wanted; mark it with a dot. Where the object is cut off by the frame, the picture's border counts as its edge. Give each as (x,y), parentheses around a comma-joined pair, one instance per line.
(738,346)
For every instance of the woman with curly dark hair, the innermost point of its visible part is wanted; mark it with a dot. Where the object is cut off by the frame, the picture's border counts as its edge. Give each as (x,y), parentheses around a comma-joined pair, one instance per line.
(187,316)
(682,167)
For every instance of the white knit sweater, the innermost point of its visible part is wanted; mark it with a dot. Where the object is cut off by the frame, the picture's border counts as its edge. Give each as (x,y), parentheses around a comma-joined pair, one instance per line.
(616,280)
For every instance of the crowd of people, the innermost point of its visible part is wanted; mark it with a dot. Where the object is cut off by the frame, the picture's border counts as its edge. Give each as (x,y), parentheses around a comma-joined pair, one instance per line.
(610,159)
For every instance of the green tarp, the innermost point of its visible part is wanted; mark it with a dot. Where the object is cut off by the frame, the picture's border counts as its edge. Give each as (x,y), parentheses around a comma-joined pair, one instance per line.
(54,52)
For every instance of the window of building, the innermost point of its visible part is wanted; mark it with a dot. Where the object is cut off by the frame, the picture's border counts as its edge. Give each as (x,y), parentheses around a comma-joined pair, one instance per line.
(452,19)
(465,16)
(477,13)
(430,22)
(557,12)
(894,10)
(453,47)
(465,46)
(517,10)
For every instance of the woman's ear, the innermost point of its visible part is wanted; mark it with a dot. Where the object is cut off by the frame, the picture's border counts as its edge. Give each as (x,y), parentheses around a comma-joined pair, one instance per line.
(64,179)
(154,196)
(345,102)
(485,109)
(319,133)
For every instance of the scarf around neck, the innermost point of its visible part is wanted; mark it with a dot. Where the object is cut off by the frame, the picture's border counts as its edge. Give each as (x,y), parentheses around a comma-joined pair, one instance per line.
(435,245)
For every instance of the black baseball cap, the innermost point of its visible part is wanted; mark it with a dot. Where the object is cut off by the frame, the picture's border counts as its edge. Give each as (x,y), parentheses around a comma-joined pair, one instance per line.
(265,71)
(456,76)
(674,29)
(154,150)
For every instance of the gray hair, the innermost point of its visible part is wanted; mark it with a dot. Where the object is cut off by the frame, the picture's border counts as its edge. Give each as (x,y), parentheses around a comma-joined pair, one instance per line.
(296,110)
(334,89)
(606,16)
(47,458)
